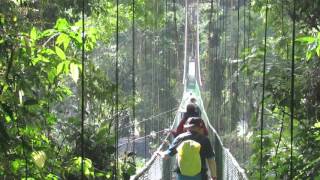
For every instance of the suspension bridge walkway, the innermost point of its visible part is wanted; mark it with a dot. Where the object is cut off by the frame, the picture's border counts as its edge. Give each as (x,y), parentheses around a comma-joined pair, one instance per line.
(156,168)
(227,166)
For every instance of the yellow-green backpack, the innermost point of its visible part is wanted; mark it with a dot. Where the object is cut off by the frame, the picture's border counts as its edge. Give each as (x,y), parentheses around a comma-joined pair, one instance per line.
(188,157)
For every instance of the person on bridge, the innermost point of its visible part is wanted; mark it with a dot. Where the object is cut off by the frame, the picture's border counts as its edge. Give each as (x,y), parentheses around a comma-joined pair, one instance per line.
(193,151)
(191,112)
(193,100)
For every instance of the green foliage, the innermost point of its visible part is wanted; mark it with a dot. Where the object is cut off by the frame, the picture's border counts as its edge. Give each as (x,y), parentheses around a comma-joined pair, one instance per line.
(40,67)
(40,95)
(74,167)
(313,45)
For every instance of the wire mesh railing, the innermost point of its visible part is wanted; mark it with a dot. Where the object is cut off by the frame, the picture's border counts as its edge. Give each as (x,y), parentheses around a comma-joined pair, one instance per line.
(151,133)
(227,166)
(153,167)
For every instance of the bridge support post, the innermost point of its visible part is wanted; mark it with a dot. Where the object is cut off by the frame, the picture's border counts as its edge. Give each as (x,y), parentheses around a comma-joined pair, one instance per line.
(219,157)
(167,168)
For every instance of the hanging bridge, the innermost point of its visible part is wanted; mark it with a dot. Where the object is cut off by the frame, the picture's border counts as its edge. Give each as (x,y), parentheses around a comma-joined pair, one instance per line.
(49,47)
(159,138)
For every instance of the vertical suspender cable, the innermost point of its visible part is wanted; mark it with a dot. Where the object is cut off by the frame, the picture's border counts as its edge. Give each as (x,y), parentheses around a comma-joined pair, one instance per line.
(216,65)
(292,87)
(283,113)
(115,173)
(82,90)
(210,51)
(185,43)
(198,46)
(133,75)
(224,50)
(244,82)
(145,142)
(249,23)
(145,59)
(263,90)
(238,41)
(248,46)
(166,51)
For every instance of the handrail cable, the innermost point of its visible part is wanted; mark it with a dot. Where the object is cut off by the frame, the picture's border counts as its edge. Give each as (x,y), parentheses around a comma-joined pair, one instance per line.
(147,119)
(143,137)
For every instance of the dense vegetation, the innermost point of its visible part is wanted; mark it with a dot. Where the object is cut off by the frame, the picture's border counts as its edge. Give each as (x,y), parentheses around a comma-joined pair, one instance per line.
(235,66)
(40,82)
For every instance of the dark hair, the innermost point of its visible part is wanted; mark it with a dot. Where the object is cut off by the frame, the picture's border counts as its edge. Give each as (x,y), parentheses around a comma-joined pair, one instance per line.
(191,111)
(194,122)
(191,108)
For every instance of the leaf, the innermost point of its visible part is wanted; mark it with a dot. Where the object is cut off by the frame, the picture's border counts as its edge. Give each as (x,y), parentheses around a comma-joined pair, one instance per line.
(306,39)
(47,51)
(39,58)
(74,70)
(318,50)
(51,119)
(60,67)
(309,55)
(51,177)
(2,19)
(48,32)
(39,158)
(64,40)
(21,94)
(60,53)
(61,24)
(317,125)
(33,34)
(52,75)
(8,119)
(16,165)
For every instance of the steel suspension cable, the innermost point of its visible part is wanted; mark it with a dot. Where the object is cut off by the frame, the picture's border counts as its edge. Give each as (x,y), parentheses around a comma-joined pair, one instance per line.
(224,53)
(133,75)
(153,72)
(185,42)
(145,59)
(287,57)
(116,166)
(217,105)
(292,87)
(249,23)
(238,42)
(82,89)
(263,90)
(244,82)
(198,46)
(210,51)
